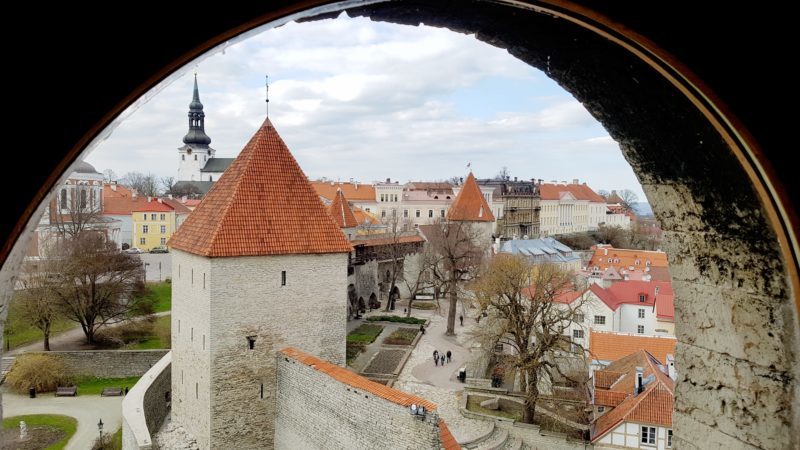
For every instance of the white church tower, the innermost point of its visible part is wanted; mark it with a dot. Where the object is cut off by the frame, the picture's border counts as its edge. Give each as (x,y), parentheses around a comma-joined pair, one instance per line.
(258,266)
(195,152)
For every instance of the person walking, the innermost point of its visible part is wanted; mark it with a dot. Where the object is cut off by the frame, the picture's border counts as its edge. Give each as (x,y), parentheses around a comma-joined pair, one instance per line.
(422,329)
(449,355)
(436,357)
(461,319)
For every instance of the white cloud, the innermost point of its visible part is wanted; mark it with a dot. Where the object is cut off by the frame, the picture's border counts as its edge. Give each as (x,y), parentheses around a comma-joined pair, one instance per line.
(353,98)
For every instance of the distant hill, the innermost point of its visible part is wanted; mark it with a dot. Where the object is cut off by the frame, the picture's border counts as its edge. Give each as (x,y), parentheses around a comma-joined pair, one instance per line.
(643,209)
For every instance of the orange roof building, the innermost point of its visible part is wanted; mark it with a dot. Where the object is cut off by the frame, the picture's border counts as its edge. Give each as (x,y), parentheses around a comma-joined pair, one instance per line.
(610,346)
(341,212)
(470,205)
(634,390)
(259,265)
(624,260)
(355,192)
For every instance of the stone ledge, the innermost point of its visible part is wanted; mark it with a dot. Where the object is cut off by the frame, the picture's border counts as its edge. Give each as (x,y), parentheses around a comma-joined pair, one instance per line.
(135,432)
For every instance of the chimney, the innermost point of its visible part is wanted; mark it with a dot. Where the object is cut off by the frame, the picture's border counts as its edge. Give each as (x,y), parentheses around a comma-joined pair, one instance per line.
(184,198)
(351,180)
(159,200)
(355,185)
(461,180)
(639,386)
(671,367)
(169,196)
(613,192)
(388,180)
(515,179)
(540,180)
(149,199)
(605,251)
(134,193)
(575,181)
(113,186)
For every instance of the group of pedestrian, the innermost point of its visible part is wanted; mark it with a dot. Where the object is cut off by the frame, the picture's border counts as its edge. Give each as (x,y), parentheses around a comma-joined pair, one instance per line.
(440,359)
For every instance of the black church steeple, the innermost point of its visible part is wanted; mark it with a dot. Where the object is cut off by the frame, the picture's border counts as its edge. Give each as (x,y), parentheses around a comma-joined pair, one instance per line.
(197,130)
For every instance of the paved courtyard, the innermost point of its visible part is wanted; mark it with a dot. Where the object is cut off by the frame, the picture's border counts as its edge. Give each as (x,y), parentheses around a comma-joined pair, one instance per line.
(88,410)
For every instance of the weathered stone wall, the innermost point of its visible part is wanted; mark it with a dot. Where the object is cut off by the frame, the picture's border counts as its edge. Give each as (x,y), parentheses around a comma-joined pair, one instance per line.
(316,411)
(108,363)
(191,324)
(247,299)
(146,406)
(365,280)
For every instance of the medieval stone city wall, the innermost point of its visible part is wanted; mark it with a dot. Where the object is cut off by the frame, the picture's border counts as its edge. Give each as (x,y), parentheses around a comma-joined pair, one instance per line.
(146,406)
(314,410)
(107,363)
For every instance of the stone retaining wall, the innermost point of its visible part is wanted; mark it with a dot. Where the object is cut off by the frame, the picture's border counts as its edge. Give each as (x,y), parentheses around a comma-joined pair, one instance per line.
(108,363)
(146,406)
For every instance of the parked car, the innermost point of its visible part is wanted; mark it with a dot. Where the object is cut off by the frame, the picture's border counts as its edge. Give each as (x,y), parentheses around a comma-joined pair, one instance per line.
(159,249)
(132,250)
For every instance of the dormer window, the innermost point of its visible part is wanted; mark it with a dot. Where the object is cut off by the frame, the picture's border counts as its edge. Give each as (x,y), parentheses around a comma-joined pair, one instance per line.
(641,298)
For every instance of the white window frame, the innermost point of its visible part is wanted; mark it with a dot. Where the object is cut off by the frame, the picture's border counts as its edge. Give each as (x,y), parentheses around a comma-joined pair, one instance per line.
(648,433)
(163,229)
(145,229)
(641,313)
(600,322)
(639,329)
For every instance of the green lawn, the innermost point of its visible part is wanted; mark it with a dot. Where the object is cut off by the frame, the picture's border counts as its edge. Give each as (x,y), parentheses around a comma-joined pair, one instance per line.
(399,319)
(94,386)
(65,423)
(365,333)
(161,295)
(160,337)
(20,332)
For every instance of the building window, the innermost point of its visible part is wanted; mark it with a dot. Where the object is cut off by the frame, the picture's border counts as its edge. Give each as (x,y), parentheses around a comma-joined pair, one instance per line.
(656,289)
(641,313)
(382,198)
(283,278)
(183,157)
(63,199)
(430,213)
(599,320)
(195,157)
(366,209)
(441,213)
(610,260)
(196,388)
(262,390)
(153,216)
(191,334)
(145,229)
(251,342)
(669,438)
(142,241)
(209,178)
(648,435)
(640,329)
(163,217)
(204,280)
(163,229)
(577,334)
(641,298)
(405,213)
(83,199)
(416,213)
(647,263)
(144,216)
(204,342)
(163,241)
(383,213)
(578,318)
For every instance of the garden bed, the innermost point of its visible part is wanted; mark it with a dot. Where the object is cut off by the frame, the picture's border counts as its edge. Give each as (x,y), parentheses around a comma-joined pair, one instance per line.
(397,319)
(401,336)
(45,431)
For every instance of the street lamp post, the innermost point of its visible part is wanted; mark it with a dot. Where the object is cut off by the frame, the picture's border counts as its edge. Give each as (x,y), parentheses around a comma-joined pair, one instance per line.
(100,427)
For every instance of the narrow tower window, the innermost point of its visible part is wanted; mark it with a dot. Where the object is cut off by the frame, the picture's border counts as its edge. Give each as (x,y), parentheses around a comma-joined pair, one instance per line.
(251,342)
(283,278)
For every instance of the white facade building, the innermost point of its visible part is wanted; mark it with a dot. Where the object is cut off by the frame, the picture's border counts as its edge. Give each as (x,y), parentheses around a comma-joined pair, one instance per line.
(570,208)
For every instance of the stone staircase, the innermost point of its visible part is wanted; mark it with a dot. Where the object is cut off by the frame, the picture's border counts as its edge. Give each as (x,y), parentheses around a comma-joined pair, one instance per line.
(496,439)
(5,366)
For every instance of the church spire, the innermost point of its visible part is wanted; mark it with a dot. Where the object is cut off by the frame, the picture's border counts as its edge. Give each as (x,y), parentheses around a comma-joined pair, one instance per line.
(197,129)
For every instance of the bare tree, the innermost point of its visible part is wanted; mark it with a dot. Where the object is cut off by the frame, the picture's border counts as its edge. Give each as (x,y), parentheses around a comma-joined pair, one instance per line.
(504,174)
(167,185)
(109,176)
(144,184)
(458,259)
(185,189)
(614,235)
(603,193)
(75,210)
(394,251)
(522,312)
(97,284)
(38,294)
(420,279)
(629,198)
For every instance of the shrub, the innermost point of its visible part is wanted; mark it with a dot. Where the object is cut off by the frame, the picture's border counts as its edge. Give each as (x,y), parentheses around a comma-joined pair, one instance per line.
(43,372)
(401,336)
(365,333)
(126,333)
(399,319)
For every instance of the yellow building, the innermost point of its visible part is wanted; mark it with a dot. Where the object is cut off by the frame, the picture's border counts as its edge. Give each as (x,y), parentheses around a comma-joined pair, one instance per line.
(153,224)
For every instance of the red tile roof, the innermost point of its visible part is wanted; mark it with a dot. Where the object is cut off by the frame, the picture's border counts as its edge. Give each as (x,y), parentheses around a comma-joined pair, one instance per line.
(357,381)
(373,240)
(116,190)
(262,205)
(610,346)
(579,191)
(341,212)
(470,205)
(179,207)
(652,406)
(154,205)
(363,217)
(623,259)
(628,292)
(353,191)
(566,296)
(448,440)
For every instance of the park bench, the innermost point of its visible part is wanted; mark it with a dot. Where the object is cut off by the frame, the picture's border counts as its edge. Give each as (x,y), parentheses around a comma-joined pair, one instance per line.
(66,391)
(111,392)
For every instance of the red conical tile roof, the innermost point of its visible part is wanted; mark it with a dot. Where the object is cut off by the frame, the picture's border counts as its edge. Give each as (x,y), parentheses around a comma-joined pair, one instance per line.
(262,205)
(470,205)
(341,212)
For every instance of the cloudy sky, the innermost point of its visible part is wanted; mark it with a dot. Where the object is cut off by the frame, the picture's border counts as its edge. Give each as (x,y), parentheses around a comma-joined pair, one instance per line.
(358,99)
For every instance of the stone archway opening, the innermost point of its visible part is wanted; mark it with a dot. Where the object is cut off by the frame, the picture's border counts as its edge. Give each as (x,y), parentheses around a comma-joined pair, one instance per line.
(732,248)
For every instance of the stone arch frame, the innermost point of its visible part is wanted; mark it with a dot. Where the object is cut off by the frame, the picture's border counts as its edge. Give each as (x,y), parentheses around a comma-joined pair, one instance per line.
(719,237)
(373,300)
